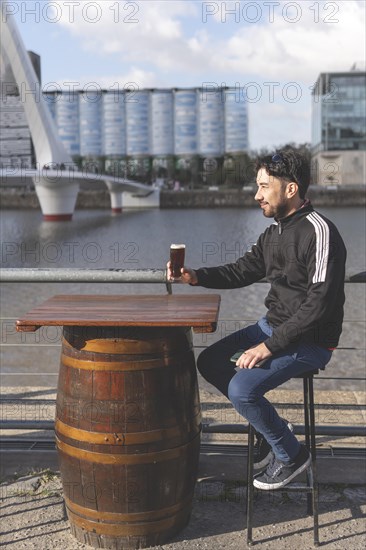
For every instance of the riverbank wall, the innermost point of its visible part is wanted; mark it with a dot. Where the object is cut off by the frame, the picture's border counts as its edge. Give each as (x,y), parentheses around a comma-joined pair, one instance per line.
(319,196)
(25,198)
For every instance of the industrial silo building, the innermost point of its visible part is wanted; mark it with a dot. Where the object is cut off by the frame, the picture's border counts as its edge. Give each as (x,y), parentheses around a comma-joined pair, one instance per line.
(138,133)
(236,121)
(162,123)
(67,120)
(90,105)
(162,132)
(185,122)
(153,132)
(114,125)
(210,123)
(138,123)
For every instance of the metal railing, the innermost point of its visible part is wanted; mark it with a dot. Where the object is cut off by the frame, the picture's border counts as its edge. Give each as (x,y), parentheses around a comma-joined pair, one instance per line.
(60,275)
(30,275)
(112,275)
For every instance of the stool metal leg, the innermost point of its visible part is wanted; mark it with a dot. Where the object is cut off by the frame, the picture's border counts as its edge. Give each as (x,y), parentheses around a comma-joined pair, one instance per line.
(308,441)
(311,474)
(250,487)
(313,465)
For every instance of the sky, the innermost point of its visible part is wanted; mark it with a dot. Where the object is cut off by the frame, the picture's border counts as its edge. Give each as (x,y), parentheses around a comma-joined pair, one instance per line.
(271,51)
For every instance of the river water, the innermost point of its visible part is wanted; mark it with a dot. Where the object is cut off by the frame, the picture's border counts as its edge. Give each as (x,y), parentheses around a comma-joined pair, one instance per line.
(140,239)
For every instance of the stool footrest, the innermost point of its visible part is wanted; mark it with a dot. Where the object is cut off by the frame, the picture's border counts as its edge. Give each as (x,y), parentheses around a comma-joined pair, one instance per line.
(291,489)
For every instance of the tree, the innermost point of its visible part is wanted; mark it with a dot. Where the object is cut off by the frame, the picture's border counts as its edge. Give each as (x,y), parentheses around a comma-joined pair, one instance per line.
(238,170)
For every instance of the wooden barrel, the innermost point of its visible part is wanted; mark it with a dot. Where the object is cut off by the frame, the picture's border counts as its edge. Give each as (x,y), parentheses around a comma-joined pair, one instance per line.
(128,433)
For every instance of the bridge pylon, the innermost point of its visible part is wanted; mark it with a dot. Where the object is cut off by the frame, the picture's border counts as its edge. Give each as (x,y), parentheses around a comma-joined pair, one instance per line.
(57,197)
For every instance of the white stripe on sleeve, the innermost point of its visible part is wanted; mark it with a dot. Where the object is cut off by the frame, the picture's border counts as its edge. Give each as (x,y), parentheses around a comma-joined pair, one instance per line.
(322,246)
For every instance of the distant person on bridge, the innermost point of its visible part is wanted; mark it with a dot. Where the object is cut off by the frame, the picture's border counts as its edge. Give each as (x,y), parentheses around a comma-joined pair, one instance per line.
(303,257)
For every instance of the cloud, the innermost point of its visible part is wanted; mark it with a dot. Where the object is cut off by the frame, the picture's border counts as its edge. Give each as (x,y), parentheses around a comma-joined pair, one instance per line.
(171,36)
(133,26)
(135,77)
(168,43)
(328,41)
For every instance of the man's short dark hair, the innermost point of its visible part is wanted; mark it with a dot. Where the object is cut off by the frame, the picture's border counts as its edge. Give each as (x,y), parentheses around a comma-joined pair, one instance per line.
(287,165)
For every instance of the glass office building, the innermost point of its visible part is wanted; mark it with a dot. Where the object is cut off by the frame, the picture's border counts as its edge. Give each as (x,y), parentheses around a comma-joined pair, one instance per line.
(15,138)
(339,112)
(16,148)
(339,128)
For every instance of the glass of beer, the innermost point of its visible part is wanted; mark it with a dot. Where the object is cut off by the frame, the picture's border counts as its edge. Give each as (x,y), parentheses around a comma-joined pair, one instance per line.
(177,252)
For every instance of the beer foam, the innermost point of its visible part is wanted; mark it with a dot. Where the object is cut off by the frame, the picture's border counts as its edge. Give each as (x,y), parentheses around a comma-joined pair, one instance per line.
(175,246)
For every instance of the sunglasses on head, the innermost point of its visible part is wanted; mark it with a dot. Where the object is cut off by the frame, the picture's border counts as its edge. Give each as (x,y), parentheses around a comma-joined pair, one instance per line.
(277,158)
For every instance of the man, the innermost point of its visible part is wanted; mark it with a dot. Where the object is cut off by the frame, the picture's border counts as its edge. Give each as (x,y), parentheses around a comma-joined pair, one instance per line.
(303,258)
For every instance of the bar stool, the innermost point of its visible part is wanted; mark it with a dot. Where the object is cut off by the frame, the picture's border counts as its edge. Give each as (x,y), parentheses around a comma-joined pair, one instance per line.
(311,488)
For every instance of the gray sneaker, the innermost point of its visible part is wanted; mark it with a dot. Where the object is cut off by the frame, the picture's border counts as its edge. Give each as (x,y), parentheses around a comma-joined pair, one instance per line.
(278,474)
(263,451)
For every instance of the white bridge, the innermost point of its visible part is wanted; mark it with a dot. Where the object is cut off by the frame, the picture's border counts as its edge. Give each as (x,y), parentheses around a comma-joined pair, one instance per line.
(57,190)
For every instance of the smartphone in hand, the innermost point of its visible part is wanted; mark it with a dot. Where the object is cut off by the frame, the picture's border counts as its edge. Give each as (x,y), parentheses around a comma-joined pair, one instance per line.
(236,356)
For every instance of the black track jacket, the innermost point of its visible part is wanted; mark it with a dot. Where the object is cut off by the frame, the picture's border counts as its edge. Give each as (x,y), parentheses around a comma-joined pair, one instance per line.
(303,258)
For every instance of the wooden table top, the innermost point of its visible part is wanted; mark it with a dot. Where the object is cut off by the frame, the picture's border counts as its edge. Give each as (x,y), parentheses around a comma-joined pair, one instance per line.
(199,311)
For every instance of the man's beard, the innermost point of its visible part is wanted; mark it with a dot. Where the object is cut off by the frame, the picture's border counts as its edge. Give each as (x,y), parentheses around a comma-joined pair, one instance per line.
(281,211)
(277,212)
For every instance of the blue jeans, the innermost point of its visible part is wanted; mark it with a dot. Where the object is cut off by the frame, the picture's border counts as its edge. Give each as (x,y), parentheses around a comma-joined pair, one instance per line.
(246,387)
